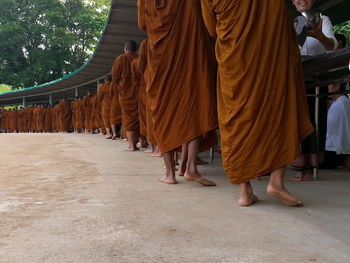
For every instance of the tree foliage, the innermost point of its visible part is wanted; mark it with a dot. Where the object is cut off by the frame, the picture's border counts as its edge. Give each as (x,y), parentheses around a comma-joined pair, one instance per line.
(344,29)
(4,88)
(42,40)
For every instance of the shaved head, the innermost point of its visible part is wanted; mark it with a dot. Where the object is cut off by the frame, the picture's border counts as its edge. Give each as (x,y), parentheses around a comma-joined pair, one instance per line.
(130,45)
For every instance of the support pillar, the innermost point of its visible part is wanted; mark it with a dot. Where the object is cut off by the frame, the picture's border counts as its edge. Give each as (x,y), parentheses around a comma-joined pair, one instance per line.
(76,94)
(50,99)
(24,103)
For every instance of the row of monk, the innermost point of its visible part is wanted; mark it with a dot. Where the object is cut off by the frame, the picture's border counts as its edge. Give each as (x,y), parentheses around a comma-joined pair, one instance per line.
(80,115)
(207,64)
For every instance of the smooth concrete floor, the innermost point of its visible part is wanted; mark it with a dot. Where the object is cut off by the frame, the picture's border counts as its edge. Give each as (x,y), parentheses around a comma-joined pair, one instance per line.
(80,198)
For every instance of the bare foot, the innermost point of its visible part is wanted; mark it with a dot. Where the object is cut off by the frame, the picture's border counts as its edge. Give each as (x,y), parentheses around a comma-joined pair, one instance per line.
(158,154)
(248,200)
(108,137)
(131,149)
(284,196)
(199,179)
(182,170)
(303,176)
(246,195)
(167,180)
(148,151)
(114,138)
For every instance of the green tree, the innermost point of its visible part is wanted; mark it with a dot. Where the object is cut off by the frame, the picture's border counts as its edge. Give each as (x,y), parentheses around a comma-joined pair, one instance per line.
(344,29)
(4,88)
(43,40)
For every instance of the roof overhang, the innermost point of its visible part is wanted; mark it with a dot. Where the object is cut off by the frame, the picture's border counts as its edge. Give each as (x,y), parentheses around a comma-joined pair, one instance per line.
(121,25)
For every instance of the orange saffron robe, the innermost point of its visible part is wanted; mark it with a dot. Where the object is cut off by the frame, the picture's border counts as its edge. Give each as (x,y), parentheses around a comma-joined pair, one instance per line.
(128,89)
(105,101)
(261,95)
(116,111)
(180,76)
(142,92)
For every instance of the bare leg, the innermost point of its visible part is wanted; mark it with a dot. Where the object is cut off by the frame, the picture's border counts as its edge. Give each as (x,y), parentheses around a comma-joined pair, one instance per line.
(114,132)
(192,173)
(143,142)
(169,177)
(132,141)
(277,189)
(183,161)
(109,135)
(156,153)
(151,148)
(246,194)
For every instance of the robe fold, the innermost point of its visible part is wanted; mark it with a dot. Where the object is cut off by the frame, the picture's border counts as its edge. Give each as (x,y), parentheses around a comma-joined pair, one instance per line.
(181,72)
(142,92)
(64,114)
(261,95)
(105,101)
(48,120)
(116,111)
(87,110)
(80,116)
(74,112)
(128,89)
(98,113)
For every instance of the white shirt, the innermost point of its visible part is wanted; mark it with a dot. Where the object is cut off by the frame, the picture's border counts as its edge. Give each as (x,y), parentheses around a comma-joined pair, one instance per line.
(312,46)
(338,126)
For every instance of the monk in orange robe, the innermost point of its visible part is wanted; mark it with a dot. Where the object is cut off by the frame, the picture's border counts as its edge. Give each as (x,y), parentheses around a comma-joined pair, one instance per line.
(104,97)
(64,116)
(87,112)
(180,80)
(116,111)
(73,106)
(41,118)
(142,63)
(145,117)
(2,123)
(93,112)
(80,121)
(128,93)
(261,95)
(30,119)
(98,123)
(136,79)
(48,119)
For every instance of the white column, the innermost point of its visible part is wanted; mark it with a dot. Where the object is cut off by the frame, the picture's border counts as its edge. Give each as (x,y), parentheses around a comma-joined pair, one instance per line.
(50,99)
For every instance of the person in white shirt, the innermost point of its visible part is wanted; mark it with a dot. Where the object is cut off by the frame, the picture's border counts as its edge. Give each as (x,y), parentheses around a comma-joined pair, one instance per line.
(320,40)
(338,130)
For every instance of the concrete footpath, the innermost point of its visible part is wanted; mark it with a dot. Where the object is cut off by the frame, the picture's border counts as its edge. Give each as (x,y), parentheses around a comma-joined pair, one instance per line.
(80,198)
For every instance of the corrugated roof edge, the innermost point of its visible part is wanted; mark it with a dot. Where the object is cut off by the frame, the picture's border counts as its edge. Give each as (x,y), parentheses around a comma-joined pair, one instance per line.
(77,70)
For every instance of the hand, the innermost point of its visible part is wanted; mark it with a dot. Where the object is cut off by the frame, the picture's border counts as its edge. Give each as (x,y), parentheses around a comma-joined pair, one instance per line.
(316,31)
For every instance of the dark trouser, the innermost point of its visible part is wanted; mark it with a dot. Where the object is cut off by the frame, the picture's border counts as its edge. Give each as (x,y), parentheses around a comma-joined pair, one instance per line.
(332,160)
(309,144)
